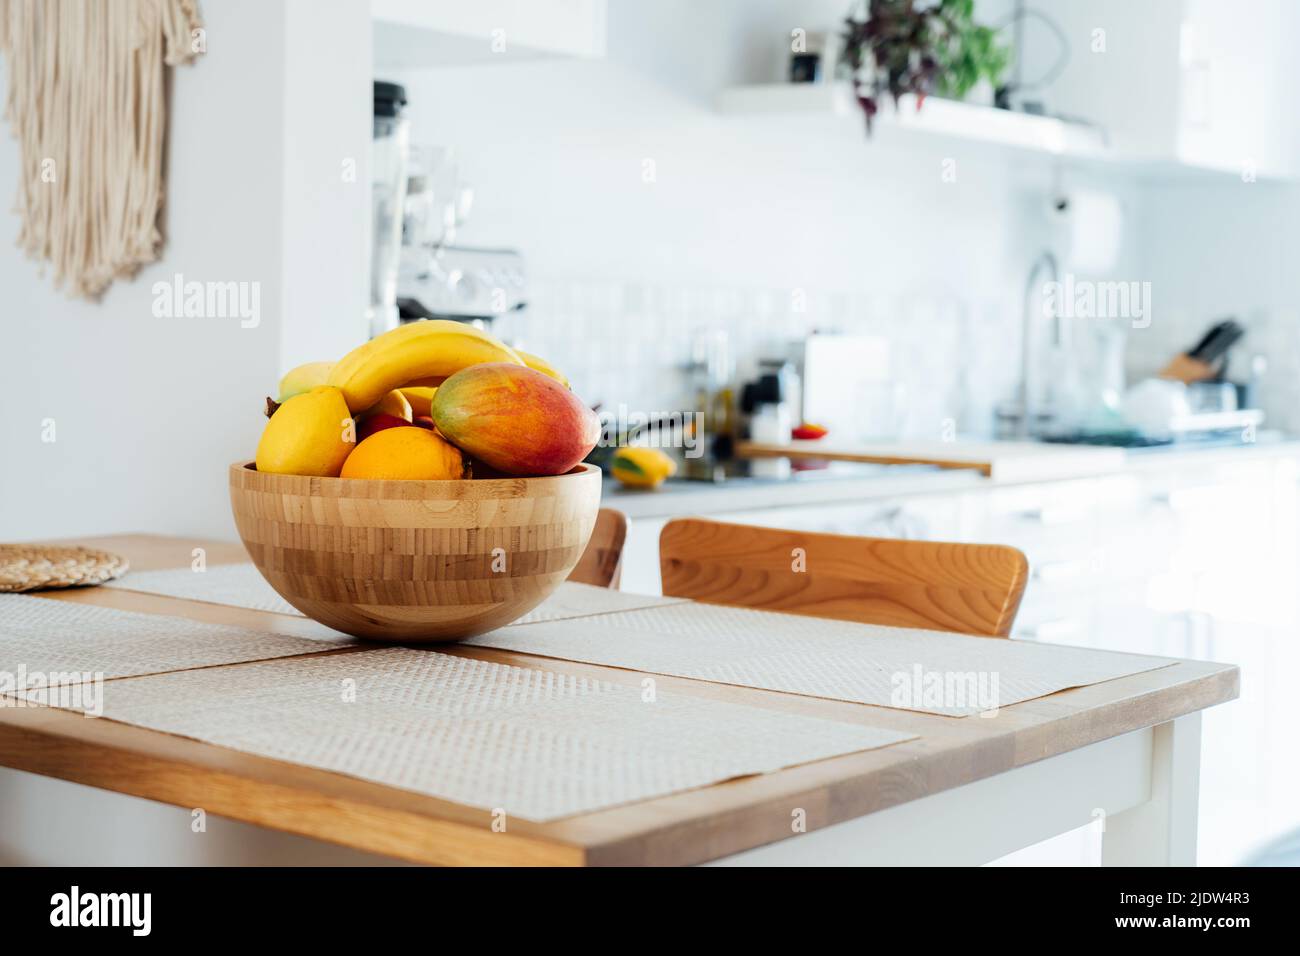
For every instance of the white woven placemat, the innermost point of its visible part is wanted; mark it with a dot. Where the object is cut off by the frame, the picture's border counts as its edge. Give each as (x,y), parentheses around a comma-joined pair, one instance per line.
(242,585)
(536,744)
(926,671)
(239,585)
(49,636)
(572,600)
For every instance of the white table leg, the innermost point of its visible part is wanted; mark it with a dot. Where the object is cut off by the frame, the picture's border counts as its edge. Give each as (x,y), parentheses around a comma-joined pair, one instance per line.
(1162,831)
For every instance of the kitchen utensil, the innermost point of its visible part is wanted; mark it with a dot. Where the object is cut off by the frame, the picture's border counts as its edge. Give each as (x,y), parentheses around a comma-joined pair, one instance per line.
(388,154)
(1217,341)
(712,372)
(848,386)
(461,283)
(1249,392)
(1201,362)
(414,561)
(1212,397)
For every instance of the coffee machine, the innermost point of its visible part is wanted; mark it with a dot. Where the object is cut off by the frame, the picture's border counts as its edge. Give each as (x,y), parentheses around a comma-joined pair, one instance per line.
(439,279)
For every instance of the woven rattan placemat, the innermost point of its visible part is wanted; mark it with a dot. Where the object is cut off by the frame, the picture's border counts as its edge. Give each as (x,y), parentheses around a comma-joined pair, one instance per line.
(34,567)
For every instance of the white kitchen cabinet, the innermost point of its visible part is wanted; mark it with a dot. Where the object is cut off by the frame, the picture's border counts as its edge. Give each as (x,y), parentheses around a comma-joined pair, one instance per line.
(1179,83)
(1197,561)
(640,573)
(1237,76)
(925,517)
(1148,560)
(416,34)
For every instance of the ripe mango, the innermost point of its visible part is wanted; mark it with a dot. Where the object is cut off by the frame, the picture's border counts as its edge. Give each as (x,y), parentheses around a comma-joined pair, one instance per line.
(642,467)
(515,419)
(310,434)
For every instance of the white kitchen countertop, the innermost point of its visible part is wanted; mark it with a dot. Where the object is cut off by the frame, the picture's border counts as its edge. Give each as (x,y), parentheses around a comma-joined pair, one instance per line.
(682,497)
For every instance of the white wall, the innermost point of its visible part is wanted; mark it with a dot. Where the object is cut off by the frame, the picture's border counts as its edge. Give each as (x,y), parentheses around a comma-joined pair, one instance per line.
(149,412)
(327,129)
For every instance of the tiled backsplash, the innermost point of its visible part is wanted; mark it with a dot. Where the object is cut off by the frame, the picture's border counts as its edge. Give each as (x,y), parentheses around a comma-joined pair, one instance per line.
(631,342)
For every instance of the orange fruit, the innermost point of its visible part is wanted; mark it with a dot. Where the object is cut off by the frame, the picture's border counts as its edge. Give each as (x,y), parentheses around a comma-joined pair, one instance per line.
(405,453)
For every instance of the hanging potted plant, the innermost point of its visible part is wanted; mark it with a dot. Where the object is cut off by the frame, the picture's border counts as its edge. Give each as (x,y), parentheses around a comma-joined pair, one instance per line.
(921,47)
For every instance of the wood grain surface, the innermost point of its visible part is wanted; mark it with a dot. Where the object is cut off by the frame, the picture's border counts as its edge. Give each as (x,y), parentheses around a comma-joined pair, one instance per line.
(684,828)
(823,450)
(414,561)
(999,460)
(963,588)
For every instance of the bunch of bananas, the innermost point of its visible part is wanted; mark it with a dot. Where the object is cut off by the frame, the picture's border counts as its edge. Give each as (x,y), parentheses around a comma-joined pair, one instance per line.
(310,430)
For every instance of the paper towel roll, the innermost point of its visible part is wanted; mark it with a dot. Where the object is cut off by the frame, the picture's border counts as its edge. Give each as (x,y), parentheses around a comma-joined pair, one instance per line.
(1093,224)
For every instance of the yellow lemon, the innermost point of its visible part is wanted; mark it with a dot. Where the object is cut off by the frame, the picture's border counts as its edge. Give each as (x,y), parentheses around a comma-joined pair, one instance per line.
(310,434)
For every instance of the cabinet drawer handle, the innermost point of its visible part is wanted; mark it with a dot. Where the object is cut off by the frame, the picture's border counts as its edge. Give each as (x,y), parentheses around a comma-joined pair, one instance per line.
(1055,515)
(1052,630)
(1055,571)
(1185,499)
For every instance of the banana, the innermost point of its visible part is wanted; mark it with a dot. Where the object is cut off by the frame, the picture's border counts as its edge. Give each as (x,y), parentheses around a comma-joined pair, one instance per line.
(395,404)
(303,379)
(420,398)
(541,365)
(431,348)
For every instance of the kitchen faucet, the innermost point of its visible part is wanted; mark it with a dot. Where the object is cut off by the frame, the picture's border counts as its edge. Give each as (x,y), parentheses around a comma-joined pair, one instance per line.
(1028,408)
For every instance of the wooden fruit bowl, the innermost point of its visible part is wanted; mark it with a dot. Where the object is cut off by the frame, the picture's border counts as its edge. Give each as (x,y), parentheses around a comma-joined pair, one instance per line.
(414,561)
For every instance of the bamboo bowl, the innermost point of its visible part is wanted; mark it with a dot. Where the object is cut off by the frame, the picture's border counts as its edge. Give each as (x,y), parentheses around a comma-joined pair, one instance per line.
(414,561)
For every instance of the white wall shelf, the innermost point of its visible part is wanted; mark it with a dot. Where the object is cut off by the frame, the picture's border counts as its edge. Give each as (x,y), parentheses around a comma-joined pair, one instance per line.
(937,117)
(960,122)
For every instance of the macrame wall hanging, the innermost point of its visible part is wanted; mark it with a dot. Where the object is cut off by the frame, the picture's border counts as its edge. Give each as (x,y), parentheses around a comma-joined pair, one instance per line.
(86,100)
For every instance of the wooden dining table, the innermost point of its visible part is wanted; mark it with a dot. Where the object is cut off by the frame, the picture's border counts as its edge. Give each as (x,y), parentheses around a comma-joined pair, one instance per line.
(1122,755)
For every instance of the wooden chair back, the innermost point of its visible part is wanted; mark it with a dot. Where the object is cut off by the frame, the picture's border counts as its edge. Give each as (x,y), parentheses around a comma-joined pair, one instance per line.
(602,563)
(965,588)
